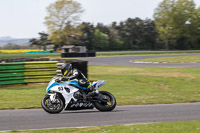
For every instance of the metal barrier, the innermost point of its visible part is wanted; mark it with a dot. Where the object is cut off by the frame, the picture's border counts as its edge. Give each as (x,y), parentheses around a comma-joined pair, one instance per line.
(27,72)
(35,72)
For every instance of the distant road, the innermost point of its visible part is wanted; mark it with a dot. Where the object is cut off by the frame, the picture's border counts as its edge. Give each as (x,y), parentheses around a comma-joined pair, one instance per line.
(125,61)
(38,119)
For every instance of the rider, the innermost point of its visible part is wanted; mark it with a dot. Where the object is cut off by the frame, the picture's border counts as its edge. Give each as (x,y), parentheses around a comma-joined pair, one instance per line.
(70,74)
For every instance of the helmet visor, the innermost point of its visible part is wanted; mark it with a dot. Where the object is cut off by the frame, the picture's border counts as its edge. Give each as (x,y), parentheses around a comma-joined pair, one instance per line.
(66,69)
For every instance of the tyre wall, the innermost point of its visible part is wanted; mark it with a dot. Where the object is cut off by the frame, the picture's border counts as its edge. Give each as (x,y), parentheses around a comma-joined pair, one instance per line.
(87,54)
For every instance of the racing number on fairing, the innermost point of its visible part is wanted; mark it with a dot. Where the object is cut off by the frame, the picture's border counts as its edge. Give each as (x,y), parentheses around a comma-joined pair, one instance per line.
(60,88)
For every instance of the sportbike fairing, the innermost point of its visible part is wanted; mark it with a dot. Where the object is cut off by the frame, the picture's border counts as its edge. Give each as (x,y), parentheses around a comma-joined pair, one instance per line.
(67,89)
(70,95)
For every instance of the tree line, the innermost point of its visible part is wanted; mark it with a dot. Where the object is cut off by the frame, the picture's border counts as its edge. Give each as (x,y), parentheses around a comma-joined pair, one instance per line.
(176,25)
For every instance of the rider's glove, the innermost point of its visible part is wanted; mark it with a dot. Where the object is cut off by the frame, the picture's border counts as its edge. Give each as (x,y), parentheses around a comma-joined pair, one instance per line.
(65,79)
(58,79)
(91,88)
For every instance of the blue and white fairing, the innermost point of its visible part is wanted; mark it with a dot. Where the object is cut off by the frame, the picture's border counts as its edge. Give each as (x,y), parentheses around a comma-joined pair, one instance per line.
(54,83)
(54,86)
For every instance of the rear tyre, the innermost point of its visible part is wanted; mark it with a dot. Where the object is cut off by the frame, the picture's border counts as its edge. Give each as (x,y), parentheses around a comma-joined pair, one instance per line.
(51,107)
(106,106)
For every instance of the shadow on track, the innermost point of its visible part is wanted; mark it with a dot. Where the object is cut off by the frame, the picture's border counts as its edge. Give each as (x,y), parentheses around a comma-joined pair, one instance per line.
(89,111)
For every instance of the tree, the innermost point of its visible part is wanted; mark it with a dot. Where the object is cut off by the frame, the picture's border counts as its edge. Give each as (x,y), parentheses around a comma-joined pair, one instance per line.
(70,35)
(185,26)
(62,15)
(100,41)
(148,36)
(132,32)
(197,19)
(9,46)
(177,23)
(103,28)
(115,40)
(87,37)
(164,20)
(43,41)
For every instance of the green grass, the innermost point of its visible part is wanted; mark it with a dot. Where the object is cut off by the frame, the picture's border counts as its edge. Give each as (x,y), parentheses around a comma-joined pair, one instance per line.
(27,55)
(165,127)
(181,59)
(21,96)
(140,85)
(130,86)
(148,52)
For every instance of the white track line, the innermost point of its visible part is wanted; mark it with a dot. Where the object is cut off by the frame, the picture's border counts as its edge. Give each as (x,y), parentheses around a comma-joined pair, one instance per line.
(141,62)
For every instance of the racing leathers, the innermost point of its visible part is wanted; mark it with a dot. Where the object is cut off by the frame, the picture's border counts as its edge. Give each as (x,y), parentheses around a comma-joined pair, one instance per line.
(76,74)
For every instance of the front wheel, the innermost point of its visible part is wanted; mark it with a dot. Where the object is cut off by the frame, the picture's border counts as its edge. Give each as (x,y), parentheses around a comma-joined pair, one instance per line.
(52,107)
(110,103)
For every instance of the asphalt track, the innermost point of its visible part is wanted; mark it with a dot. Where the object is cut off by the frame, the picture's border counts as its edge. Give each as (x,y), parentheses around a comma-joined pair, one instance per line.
(38,119)
(126,61)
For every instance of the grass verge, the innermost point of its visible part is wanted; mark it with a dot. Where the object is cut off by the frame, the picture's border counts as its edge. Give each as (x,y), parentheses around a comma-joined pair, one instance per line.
(148,52)
(130,86)
(165,127)
(21,96)
(182,59)
(140,85)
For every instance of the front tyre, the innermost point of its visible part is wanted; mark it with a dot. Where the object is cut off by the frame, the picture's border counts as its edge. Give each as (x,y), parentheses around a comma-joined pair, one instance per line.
(110,103)
(52,107)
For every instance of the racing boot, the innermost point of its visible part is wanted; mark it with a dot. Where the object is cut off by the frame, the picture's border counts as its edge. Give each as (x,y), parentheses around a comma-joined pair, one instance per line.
(92,92)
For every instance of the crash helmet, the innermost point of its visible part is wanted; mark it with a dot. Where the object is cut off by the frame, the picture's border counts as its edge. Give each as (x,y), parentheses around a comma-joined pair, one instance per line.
(66,69)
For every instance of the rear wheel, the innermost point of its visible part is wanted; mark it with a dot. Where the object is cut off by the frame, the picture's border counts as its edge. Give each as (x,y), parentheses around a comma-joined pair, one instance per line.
(52,107)
(110,103)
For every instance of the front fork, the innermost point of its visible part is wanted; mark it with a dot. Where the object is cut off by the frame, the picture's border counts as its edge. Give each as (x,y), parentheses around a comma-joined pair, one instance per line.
(52,97)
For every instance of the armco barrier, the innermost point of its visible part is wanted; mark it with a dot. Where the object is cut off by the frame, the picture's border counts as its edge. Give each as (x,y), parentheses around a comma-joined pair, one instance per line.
(27,72)
(41,52)
(34,72)
(22,60)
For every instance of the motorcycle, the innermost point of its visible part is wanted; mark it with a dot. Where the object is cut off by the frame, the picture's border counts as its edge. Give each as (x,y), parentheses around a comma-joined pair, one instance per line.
(70,95)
